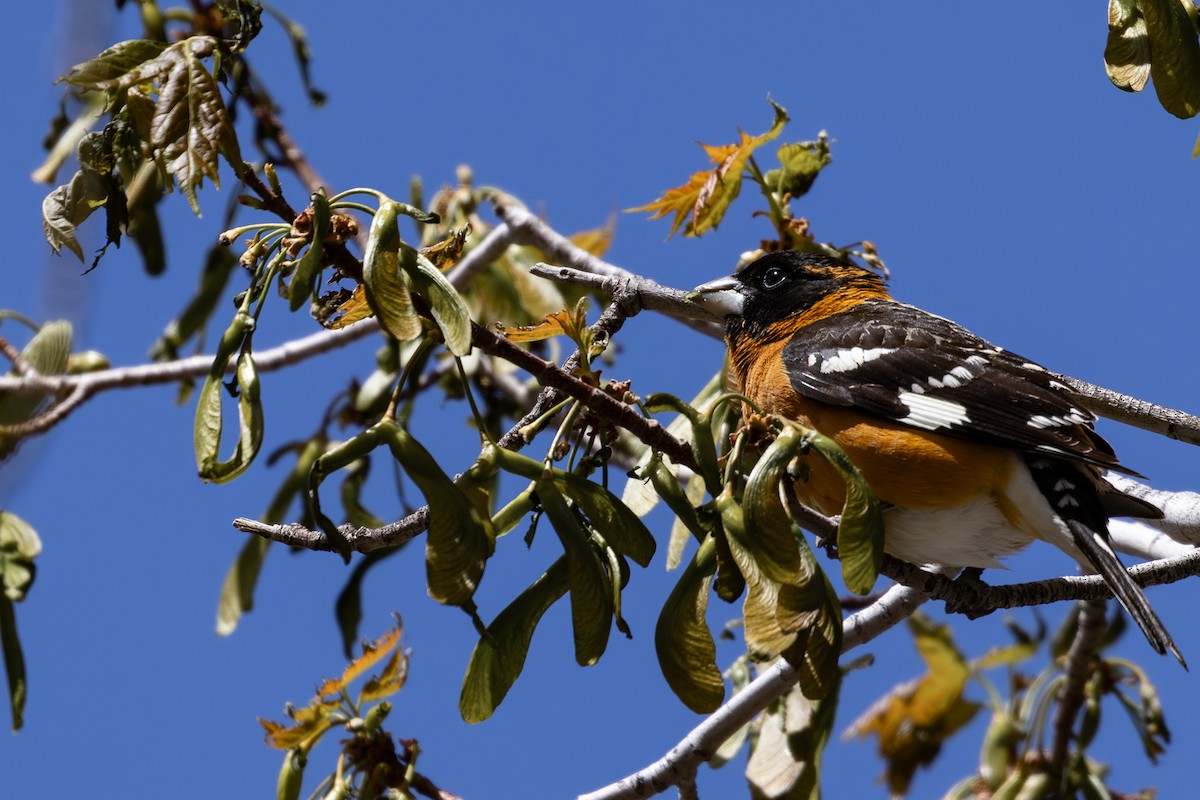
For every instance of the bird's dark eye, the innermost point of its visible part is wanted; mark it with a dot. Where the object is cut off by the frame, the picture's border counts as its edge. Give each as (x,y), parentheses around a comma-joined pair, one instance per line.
(773,278)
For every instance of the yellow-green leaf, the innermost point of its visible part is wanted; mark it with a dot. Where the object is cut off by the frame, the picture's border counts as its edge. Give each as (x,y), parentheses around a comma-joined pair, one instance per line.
(860,531)
(291,775)
(49,353)
(591,598)
(308,268)
(1174,55)
(769,531)
(687,654)
(460,539)
(800,163)
(387,289)
(208,425)
(1127,54)
(499,657)
(237,592)
(916,718)
(447,306)
(622,529)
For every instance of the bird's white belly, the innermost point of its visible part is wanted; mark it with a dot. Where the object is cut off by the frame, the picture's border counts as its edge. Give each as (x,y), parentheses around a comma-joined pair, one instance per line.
(975,534)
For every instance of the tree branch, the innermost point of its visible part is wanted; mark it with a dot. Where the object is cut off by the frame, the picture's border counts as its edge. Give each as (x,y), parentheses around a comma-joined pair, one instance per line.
(1181,510)
(1168,422)
(975,598)
(1088,637)
(679,764)
(79,388)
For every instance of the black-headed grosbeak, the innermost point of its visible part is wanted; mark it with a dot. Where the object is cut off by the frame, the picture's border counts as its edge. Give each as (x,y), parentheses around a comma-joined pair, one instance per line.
(975,451)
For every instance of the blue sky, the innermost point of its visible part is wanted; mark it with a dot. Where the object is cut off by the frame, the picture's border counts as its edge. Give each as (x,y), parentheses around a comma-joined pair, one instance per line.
(1004,180)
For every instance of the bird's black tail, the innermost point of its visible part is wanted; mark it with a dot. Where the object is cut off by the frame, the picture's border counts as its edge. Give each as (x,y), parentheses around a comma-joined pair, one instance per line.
(1074,497)
(1096,548)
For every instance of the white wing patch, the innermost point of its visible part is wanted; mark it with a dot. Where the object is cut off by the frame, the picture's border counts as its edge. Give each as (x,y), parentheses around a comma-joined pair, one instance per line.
(952,379)
(1074,417)
(850,358)
(932,413)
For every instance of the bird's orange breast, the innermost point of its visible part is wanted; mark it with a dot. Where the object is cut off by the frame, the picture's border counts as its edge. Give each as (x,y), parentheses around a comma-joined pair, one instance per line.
(904,466)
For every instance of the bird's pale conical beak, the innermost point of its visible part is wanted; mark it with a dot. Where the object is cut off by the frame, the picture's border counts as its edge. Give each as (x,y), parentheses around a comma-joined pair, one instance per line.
(722,298)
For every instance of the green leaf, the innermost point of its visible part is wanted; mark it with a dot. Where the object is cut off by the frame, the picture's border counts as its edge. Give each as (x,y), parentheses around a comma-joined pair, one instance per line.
(459,540)
(800,163)
(351,495)
(1127,53)
(499,657)
(19,546)
(291,775)
(1174,56)
(621,527)
(860,531)
(49,353)
(680,501)
(191,126)
(591,599)
(798,618)
(248,16)
(386,287)
(686,651)
(237,592)
(208,425)
(334,458)
(308,268)
(14,662)
(769,532)
(146,232)
(136,57)
(703,445)
(447,306)
(65,209)
(732,570)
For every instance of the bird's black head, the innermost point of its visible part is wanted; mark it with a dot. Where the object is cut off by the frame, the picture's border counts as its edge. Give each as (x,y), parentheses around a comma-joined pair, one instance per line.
(783,286)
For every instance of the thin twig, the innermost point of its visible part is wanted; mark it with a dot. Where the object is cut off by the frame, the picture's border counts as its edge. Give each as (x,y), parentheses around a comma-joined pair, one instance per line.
(20,365)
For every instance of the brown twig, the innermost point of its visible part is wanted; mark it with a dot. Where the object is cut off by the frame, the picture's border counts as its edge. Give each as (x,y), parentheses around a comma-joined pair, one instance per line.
(20,365)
